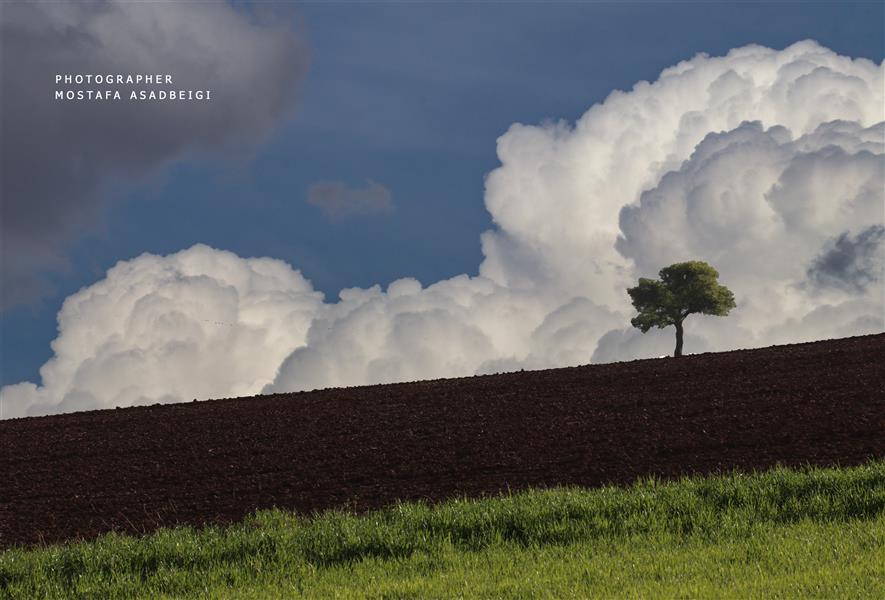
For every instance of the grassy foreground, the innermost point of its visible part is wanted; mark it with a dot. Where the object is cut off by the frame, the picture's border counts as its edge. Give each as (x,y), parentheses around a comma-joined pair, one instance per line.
(782,533)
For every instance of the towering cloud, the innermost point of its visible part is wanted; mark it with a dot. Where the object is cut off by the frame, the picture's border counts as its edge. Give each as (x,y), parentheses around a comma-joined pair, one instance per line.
(768,164)
(792,225)
(57,156)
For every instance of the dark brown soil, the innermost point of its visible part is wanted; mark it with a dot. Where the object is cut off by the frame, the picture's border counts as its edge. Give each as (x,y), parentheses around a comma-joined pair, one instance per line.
(82,474)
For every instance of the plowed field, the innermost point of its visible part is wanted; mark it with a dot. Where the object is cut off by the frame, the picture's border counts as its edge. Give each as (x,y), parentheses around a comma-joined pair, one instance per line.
(136,469)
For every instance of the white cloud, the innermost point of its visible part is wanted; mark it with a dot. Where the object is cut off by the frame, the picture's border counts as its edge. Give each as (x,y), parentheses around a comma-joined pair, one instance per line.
(559,190)
(763,208)
(759,162)
(196,324)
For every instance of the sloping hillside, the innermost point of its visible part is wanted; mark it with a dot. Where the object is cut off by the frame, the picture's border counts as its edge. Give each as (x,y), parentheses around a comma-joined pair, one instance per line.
(136,469)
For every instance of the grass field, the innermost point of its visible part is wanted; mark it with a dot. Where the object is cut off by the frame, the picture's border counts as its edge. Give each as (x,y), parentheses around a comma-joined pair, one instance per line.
(782,533)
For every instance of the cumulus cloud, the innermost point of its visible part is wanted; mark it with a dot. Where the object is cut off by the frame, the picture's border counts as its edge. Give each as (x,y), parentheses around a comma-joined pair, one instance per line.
(57,157)
(338,200)
(558,193)
(765,210)
(768,164)
(200,323)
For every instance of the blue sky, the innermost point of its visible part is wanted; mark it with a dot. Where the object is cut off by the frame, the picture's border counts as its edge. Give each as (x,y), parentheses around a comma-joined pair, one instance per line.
(413,97)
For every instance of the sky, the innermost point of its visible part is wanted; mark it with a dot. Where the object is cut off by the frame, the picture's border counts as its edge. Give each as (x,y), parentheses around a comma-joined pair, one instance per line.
(361,143)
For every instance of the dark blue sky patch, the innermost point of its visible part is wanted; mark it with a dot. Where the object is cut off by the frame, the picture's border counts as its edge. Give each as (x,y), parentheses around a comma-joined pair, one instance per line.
(850,262)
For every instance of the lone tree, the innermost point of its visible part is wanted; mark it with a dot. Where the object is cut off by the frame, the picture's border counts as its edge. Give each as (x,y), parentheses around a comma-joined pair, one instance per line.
(684,289)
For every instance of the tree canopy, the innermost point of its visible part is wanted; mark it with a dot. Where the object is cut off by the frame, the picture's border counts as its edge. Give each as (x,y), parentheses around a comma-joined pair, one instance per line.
(683,289)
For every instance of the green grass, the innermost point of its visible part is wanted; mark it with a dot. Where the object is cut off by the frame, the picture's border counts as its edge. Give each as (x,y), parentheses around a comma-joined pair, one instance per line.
(782,533)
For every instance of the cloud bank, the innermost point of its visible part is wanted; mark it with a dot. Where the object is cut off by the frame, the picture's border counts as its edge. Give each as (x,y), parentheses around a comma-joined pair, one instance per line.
(200,323)
(57,157)
(767,164)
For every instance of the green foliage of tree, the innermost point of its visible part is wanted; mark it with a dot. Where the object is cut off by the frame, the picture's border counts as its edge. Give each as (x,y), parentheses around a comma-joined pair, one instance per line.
(683,289)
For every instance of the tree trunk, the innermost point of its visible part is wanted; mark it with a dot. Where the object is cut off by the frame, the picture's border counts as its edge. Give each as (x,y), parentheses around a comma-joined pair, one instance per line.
(678,351)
